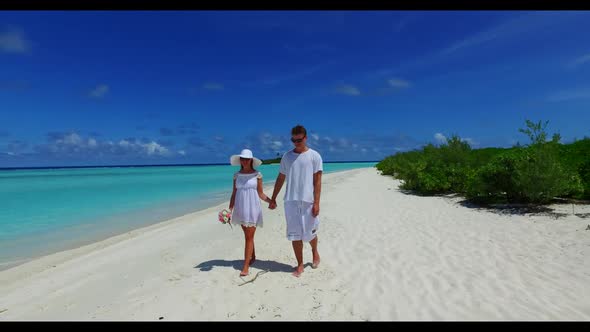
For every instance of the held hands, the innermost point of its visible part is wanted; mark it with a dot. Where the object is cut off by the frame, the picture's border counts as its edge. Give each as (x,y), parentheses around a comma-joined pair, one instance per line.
(273,204)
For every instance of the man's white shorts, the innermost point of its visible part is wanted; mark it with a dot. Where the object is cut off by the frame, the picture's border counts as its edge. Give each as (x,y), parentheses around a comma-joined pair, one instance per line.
(301,224)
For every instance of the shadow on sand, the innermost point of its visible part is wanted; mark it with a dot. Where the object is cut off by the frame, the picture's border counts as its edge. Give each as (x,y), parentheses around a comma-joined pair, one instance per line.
(270,266)
(503,209)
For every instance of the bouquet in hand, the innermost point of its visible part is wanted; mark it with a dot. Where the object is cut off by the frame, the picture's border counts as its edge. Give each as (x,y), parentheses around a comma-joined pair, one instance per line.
(224,217)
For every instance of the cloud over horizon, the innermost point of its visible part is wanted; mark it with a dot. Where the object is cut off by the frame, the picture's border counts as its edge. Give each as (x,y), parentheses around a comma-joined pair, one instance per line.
(347,89)
(12,40)
(99,91)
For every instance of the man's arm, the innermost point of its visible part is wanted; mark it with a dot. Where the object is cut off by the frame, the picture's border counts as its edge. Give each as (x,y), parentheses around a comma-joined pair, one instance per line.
(317,190)
(278,185)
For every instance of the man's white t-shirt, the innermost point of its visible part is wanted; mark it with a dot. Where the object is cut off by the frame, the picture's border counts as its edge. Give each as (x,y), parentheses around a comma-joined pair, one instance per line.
(299,169)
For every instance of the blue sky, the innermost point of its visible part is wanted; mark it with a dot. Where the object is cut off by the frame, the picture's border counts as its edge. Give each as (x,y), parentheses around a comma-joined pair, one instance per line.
(148,87)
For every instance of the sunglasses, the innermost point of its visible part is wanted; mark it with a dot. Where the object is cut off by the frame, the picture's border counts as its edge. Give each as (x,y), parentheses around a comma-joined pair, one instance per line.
(297,140)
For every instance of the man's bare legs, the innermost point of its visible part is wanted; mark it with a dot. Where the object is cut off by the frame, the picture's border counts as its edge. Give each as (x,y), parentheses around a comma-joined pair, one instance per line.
(298,250)
(315,253)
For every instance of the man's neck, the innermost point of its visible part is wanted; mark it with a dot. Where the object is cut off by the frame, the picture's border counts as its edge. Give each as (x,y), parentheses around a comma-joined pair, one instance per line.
(305,148)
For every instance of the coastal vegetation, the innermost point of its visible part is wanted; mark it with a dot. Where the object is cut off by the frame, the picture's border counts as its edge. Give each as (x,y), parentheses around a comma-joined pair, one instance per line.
(271,161)
(536,173)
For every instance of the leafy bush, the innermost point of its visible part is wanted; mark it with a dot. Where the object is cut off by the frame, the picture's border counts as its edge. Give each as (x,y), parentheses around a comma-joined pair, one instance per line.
(535,173)
(540,176)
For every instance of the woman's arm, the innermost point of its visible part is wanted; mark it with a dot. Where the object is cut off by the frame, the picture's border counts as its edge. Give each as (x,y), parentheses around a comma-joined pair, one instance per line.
(261,193)
(233,197)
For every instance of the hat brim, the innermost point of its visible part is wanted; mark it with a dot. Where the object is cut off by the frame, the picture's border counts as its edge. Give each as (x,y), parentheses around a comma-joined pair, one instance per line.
(235,161)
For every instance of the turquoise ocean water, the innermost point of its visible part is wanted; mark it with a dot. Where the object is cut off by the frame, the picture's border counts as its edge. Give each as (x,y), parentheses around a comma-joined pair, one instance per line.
(47,210)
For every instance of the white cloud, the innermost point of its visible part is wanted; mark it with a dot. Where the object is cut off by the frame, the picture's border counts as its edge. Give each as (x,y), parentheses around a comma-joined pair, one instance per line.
(339,147)
(100,91)
(343,143)
(508,30)
(566,95)
(153,148)
(338,144)
(470,141)
(398,83)
(267,138)
(440,138)
(135,146)
(213,86)
(580,61)
(13,41)
(182,153)
(73,144)
(264,144)
(125,143)
(349,90)
(69,139)
(513,27)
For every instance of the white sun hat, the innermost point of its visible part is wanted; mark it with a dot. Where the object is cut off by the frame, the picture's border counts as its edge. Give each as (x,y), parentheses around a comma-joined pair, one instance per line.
(235,159)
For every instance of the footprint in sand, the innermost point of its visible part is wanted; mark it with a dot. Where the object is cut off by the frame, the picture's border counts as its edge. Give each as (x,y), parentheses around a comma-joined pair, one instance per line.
(174,278)
(168,257)
(177,276)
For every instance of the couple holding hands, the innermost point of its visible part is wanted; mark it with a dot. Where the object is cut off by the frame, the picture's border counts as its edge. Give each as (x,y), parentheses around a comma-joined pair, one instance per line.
(301,168)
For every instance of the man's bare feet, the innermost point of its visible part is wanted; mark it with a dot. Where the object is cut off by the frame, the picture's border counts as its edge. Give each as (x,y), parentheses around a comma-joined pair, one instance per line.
(298,271)
(316,262)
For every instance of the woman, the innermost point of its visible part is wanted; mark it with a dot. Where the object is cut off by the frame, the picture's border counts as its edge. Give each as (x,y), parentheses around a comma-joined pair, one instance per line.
(245,201)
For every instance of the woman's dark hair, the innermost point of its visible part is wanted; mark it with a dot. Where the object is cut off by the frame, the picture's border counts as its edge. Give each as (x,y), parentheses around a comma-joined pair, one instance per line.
(251,165)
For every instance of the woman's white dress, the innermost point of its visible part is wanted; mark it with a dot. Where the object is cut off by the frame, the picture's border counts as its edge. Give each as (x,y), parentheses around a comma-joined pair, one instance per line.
(247,208)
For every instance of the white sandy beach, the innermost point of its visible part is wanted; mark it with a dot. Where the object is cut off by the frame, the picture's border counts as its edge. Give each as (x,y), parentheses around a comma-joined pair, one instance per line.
(385,255)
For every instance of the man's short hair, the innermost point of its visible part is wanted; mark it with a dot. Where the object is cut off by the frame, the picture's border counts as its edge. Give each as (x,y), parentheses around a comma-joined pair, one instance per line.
(298,129)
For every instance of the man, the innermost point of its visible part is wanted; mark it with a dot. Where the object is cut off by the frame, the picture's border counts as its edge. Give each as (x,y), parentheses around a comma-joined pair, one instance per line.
(302,169)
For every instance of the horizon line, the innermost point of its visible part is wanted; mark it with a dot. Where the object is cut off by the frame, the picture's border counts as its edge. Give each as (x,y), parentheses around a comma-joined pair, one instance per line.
(156,165)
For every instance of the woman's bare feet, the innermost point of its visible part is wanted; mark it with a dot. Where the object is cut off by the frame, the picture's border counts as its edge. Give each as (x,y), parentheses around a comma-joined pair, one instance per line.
(244,272)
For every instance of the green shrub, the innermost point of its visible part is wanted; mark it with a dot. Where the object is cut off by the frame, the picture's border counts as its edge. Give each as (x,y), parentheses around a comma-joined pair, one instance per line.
(540,176)
(535,173)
